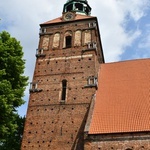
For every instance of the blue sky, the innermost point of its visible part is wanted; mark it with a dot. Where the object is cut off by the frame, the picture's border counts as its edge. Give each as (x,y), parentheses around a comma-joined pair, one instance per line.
(124,27)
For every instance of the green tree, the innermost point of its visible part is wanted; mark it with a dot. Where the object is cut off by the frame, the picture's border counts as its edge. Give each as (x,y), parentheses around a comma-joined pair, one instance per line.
(12,84)
(13,141)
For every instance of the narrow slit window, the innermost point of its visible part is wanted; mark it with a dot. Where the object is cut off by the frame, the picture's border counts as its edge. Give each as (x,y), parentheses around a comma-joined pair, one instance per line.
(64,87)
(68,41)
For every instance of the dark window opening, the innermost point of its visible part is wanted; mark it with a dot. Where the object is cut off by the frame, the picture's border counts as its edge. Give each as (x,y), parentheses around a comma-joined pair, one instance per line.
(42,30)
(92,45)
(39,53)
(70,7)
(79,6)
(68,41)
(87,10)
(64,87)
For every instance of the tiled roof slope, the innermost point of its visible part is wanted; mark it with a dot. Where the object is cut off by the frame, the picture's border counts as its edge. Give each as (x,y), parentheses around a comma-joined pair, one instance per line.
(59,20)
(123,98)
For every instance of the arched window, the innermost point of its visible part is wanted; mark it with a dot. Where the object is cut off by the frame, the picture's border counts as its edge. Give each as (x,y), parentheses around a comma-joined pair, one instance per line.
(70,7)
(67,39)
(77,41)
(64,88)
(45,43)
(56,40)
(87,38)
(79,6)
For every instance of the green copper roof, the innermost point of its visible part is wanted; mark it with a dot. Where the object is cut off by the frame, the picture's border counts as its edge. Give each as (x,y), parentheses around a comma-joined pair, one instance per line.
(78,6)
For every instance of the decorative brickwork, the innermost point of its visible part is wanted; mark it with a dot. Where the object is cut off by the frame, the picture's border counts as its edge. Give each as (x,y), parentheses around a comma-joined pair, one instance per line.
(77,102)
(54,122)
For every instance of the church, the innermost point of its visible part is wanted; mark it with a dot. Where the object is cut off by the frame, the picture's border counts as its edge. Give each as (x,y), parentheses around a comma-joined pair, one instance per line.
(79,102)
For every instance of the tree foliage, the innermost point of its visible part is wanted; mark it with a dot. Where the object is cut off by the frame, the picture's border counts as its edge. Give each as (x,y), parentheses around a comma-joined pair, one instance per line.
(12,84)
(13,141)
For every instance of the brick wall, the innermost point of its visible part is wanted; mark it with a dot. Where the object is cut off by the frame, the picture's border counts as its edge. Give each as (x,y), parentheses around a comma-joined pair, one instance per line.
(52,123)
(133,141)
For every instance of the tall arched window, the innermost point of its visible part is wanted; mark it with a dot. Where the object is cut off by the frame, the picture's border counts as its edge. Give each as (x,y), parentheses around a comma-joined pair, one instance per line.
(67,39)
(70,7)
(77,41)
(56,40)
(45,43)
(64,88)
(88,37)
(79,6)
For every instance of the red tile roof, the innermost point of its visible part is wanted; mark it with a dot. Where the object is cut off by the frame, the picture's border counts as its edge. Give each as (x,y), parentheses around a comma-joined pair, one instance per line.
(123,98)
(60,20)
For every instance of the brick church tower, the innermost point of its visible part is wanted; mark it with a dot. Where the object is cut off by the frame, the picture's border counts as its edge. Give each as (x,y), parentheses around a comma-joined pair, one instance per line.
(65,80)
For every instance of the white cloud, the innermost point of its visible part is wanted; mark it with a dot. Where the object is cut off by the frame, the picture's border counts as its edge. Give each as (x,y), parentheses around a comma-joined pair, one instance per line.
(24,18)
(114,16)
(145,42)
(134,8)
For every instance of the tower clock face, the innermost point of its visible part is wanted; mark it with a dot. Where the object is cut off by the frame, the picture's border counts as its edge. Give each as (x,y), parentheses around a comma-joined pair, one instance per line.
(68,16)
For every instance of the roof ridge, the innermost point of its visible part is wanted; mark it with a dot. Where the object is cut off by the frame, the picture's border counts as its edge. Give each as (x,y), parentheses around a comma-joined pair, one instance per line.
(130,60)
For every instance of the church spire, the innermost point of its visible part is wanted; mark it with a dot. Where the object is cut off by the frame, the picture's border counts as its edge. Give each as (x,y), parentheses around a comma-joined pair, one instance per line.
(77,6)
